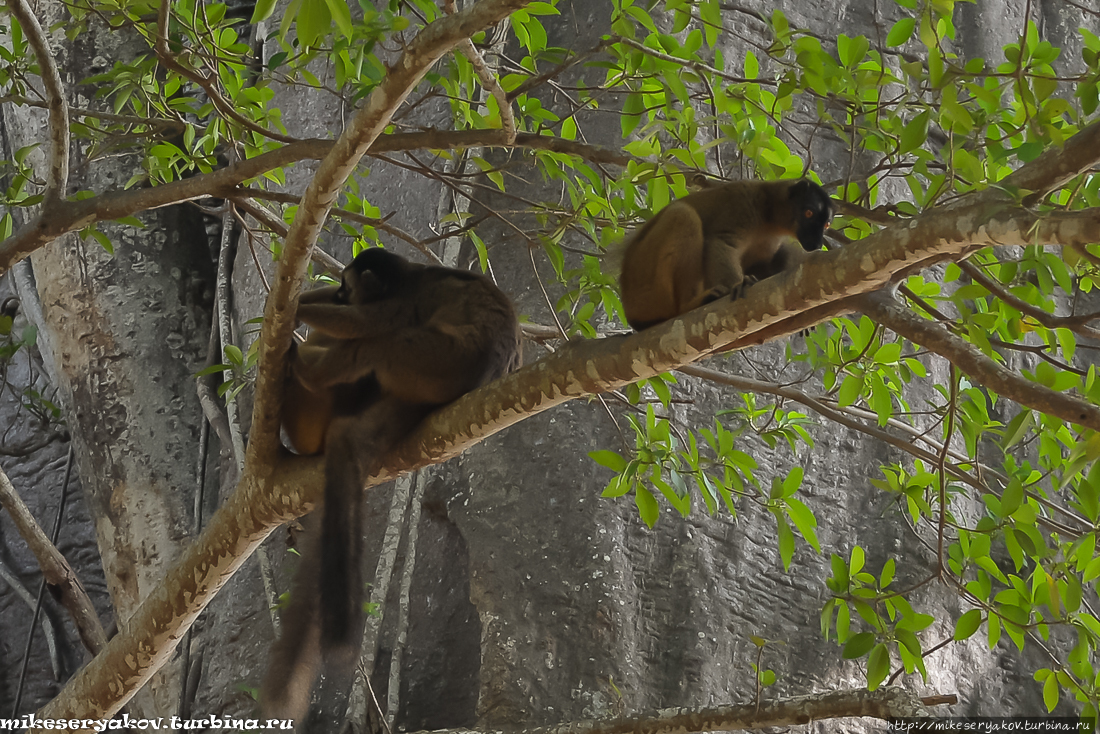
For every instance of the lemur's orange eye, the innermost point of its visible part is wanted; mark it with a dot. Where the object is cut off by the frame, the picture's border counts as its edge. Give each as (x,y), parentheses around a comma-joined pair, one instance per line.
(809,213)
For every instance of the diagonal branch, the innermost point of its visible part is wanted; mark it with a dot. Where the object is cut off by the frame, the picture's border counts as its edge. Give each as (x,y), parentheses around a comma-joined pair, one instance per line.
(58,179)
(1076,324)
(984,370)
(55,568)
(829,283)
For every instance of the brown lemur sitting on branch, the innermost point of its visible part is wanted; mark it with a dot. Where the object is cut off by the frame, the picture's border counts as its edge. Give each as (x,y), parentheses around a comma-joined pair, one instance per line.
(393,342)
(717,241)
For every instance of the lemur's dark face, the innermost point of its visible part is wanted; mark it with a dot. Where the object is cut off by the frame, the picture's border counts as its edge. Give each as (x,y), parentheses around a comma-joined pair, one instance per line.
(369,276)
(814,211)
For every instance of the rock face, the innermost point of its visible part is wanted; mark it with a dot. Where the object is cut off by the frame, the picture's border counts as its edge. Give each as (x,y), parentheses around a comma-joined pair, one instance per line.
(533,600)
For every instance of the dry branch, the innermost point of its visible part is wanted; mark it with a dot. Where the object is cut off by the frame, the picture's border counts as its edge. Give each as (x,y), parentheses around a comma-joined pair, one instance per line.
(885,703)
(56,570)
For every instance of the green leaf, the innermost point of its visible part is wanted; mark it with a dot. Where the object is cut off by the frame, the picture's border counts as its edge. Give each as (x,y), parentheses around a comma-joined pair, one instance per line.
(21,155)
(804,520)
(314,20)
(610,459)
(855,565)
(843,622)
(341,15)
(103,240)
(752,66)
(901,32)
(648,508)
(887,576)
(1012,497)
(840,571)
(213,369)
(827,617)
(1017,429)
(617,487)
(878,666)
(909,640)
(1092,570)
(850,390)
(968,624)
(888,353)
(987,563)
(792,483)
(1050,692)
(262,10)
(786,542)
(711,13)
(858,646)
(632,113)
(915,133)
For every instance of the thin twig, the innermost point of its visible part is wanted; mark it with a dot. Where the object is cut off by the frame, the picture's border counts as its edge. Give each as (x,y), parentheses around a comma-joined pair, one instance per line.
(488,80)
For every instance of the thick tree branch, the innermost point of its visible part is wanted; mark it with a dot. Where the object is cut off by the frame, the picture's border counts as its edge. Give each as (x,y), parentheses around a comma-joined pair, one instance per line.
(1058,165)
(828,283)
(69,216)
(56,570)
(58,179)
